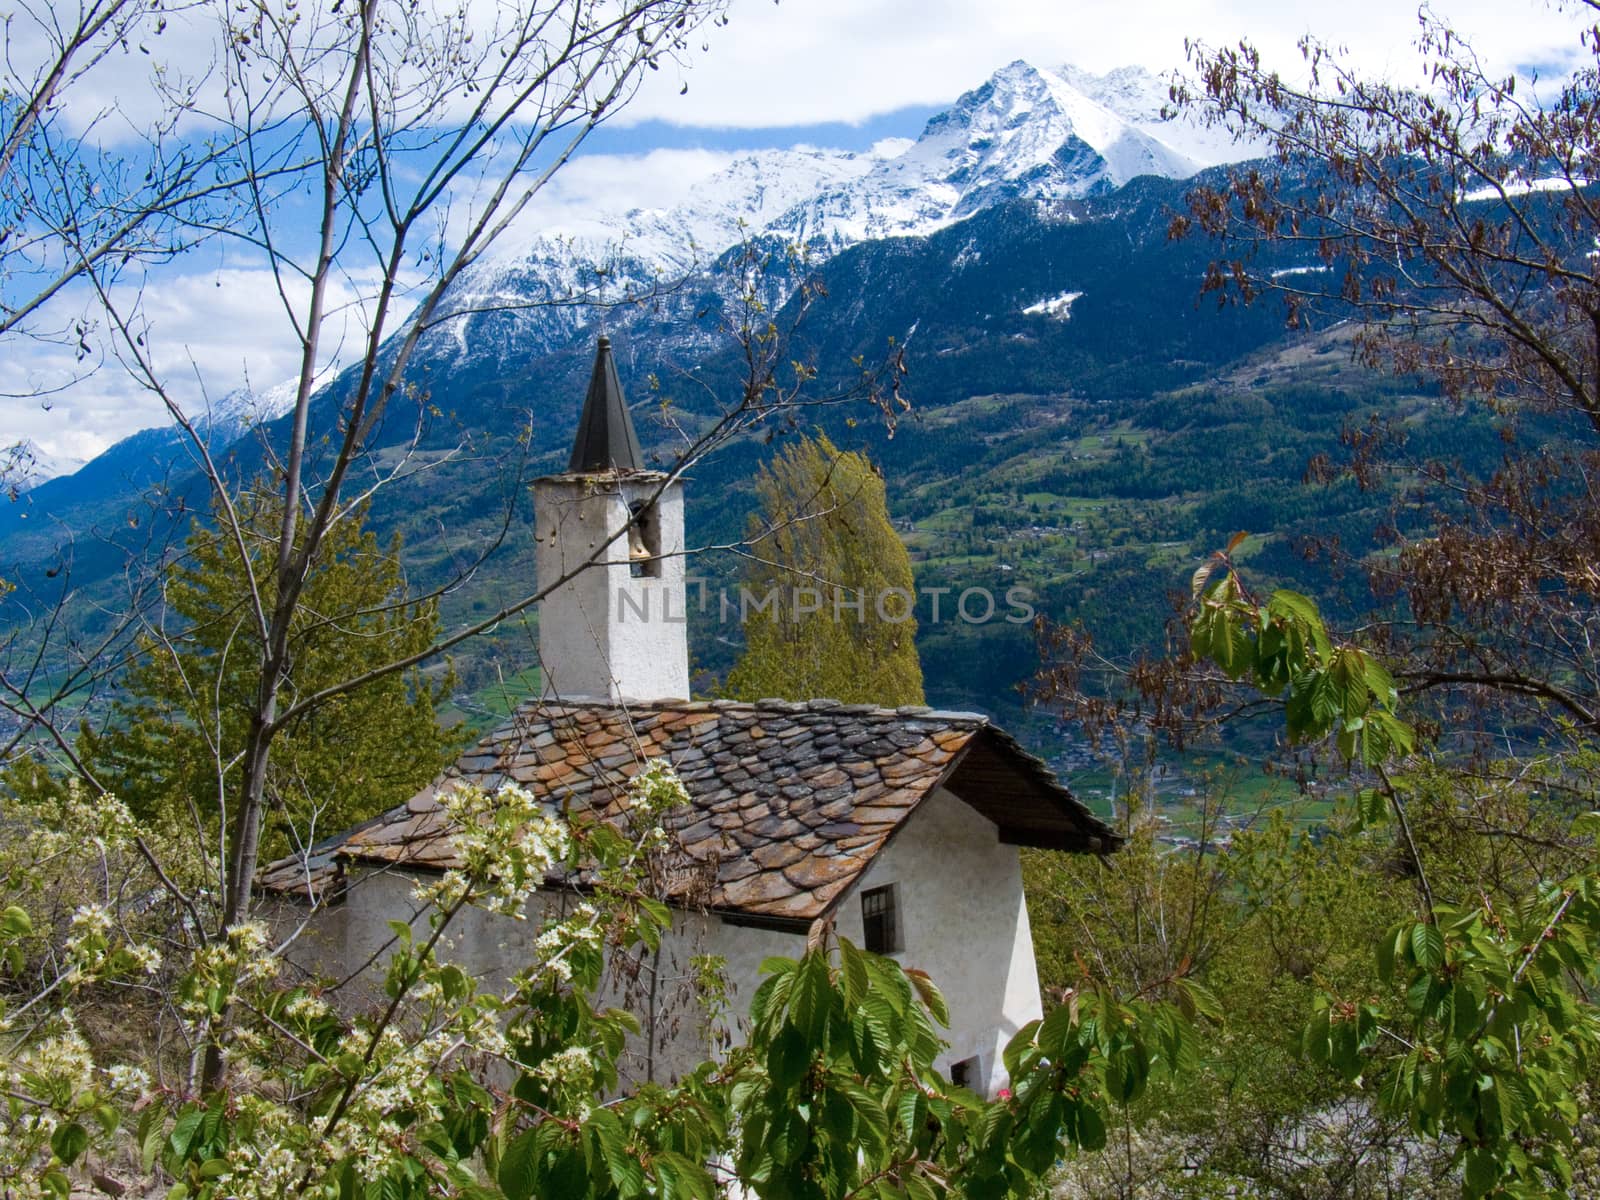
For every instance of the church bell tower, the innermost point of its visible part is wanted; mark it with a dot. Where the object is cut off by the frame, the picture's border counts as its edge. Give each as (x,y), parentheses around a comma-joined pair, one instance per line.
(610,539)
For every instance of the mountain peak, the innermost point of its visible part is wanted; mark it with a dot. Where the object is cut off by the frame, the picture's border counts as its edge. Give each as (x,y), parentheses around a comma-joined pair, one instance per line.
(1031,132)
(29,464)
(1024,133)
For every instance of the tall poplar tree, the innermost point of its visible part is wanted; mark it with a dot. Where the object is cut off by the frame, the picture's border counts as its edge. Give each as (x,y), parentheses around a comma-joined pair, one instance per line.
(828,590)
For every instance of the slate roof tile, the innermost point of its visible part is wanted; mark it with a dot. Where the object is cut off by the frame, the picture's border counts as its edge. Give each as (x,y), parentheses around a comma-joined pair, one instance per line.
(788,802)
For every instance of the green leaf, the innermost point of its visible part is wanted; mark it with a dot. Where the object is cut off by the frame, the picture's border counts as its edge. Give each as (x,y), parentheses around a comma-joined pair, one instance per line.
(692,1177)
(1482,1172)
(15,922)
(855,972)
(1344,1048)
(787,1137)
(518,1172)
(69,1141)
(1314,1042)
(1059,1027)
(930,994)
(183,1132)
(1018,1048)
(1126,1073)
(1301,613)
(1091,1127)
(1388,947)
(1427,946)
(911,1111)
(149,1136)
(1372,807)
(788,1057)
(1199,999)
(874,1121)
(812,998)
(568,1174)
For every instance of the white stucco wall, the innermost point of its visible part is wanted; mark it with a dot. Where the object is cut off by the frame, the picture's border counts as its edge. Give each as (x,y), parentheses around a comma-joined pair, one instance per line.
(339,939)
(961,913)
(964,920)
(605,633)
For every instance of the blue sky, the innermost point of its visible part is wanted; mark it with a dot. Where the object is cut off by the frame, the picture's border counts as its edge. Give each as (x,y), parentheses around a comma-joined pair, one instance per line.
(656,134)
(838,73)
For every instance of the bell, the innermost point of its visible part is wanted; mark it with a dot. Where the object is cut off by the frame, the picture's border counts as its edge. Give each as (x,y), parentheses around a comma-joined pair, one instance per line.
(637,550)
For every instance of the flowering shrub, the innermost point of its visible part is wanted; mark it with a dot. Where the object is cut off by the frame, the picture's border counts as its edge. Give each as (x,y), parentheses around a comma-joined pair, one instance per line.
(506,843)
(445,1089)
(81,920)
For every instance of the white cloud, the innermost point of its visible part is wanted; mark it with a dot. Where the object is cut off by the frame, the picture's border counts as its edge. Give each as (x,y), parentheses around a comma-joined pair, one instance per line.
(212,330)
(803,62)
(798,63)
(207,333)
(657,179)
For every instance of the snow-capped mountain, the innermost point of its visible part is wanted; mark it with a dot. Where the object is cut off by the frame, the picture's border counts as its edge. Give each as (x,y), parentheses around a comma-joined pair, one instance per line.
(28,464)
(1025,133)
(221,425)
(242,409)
(1139,98)
(535,272)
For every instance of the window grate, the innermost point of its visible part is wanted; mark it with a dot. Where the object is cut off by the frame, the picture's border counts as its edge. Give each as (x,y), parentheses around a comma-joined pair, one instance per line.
(879,923)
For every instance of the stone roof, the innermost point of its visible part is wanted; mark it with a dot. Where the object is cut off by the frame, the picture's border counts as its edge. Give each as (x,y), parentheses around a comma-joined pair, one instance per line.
(789,803)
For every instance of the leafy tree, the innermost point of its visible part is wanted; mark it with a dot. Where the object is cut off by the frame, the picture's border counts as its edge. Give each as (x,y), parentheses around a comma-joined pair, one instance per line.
(377,115)
(1489,1033)
(1468,1024)
(173,743)
(1262,918)
(828,586)
(1457,221)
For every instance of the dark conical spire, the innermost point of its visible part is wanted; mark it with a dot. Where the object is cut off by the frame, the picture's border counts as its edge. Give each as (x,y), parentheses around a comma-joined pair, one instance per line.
(606,440)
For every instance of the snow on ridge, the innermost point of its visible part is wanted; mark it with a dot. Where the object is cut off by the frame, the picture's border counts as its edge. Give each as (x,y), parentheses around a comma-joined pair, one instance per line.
(30,464)
(245,407)
(750,193)
(1515,186)
(1140,98)
(890,147)
(1058,307)
(1025,133)
(998,140)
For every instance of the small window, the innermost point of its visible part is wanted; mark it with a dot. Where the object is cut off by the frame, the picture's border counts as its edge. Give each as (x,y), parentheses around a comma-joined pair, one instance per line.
(965,1074)
(880,920)
(644,542)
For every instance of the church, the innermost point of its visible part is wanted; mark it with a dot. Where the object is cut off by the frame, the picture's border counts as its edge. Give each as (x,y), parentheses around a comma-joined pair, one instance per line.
(898,828)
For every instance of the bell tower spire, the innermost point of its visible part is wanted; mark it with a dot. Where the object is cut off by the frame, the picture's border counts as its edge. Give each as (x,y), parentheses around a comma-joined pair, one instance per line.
(610,539)
(606,439)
